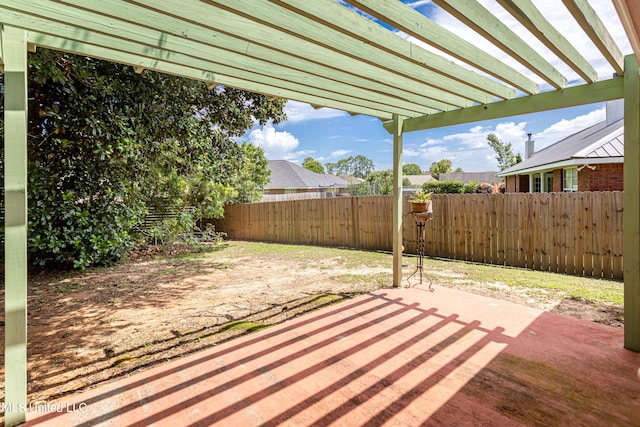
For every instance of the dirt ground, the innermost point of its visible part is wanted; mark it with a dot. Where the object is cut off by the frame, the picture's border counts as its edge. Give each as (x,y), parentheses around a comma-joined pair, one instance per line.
(91,327)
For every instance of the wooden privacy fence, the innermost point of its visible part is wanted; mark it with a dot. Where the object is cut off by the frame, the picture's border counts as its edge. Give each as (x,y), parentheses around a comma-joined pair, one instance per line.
(571,233)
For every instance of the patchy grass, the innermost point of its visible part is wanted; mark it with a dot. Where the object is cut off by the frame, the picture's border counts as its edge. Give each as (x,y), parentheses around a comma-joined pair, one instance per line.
(535,284)
(539,284)
(162,306)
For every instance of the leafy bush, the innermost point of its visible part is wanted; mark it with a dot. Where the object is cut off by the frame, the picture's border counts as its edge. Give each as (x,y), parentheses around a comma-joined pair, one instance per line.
(105,143)
(74,231)
(470,187)
(444,187)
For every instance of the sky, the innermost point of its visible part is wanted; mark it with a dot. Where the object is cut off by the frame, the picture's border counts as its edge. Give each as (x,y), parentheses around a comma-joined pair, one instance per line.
(329,135)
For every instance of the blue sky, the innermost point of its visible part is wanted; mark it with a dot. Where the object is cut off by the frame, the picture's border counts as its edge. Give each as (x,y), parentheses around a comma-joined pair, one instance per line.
(329,135)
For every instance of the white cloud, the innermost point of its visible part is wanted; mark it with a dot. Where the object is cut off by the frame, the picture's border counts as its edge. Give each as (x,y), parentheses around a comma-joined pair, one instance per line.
(298,112)
(306,153)
(418,3)
(409,152)
(276,145)
(339,153)
(566,127)
(469,150)
(476,137)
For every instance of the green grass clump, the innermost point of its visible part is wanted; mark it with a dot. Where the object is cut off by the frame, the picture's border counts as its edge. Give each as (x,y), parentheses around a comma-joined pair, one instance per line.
(243,326)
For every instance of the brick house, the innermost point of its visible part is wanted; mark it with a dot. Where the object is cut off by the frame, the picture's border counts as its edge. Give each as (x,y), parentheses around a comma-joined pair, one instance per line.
(589,160)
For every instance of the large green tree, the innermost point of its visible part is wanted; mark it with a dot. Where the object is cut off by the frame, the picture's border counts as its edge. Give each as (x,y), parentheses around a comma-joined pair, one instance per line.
(439,167)
(504,152)
(358,166)
(313,165)
(106,143)
(411,169)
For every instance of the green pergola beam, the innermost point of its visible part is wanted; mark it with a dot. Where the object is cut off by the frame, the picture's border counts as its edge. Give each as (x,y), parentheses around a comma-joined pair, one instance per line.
(397,199)
(631,214)
(168,33)
(629,21)
(591,24)
(213,59)
(1,51)
(452,77)
(478,18)
(252,81)
(258,24)
(319,101)
(604,90)
(417,25)
(530,17)
(14,55)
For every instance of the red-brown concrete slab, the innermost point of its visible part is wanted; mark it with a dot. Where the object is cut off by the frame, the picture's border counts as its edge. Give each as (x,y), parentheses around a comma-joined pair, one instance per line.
(401,357)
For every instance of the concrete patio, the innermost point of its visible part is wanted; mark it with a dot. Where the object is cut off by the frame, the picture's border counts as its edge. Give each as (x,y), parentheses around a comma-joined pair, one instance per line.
(401,357)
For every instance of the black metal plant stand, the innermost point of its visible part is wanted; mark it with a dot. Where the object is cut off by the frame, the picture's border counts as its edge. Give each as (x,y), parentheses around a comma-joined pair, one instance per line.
(421,219)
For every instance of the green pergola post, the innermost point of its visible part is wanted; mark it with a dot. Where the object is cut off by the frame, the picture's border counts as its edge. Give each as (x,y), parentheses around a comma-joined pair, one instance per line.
(14,56)
(397,199)
(631,248)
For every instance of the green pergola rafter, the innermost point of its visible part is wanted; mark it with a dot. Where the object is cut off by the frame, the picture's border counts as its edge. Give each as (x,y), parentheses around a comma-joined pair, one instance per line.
(329,55)
(425,30)
(384,46)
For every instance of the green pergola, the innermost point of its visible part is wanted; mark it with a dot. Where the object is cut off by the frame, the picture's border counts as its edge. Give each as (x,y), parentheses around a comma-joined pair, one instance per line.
(324,53)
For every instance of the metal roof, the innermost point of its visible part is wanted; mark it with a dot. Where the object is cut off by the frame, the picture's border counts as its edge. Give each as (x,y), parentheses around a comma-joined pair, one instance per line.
(601,141)
(345,54)
(285,174)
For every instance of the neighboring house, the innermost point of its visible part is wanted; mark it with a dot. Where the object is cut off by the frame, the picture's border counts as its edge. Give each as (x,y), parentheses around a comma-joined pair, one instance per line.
(416,181)
(589,160)
(467,177)
(351,179)
(291,182)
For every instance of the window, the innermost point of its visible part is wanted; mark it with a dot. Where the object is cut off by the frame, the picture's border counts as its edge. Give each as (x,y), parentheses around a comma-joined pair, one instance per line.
(537,183)
(570,180)
(548,181)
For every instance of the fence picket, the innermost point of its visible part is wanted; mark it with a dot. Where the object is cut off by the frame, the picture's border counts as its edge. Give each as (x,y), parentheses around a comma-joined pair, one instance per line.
(617,240)
(499,227)
(578,233)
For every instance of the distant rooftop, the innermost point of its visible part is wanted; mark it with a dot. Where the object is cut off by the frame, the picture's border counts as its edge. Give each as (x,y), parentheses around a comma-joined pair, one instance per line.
(418,180)
(595,144)
(285,174)
(467,177)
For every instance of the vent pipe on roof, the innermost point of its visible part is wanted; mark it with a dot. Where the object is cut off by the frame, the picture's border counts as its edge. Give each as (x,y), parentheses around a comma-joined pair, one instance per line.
(529,147)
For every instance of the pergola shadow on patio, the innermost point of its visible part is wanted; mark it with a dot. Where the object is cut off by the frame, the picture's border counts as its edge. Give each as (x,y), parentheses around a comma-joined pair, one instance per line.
(346,55)
(398,356)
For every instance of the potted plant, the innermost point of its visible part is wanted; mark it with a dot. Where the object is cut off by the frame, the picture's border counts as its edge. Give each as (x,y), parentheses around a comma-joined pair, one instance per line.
(421,201)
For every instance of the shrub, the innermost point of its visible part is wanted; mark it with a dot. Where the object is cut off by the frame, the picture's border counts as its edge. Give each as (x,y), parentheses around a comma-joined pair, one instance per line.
(444,187)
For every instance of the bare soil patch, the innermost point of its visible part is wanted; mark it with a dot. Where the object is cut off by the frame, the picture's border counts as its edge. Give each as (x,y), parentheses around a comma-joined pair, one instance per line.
(89,327)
